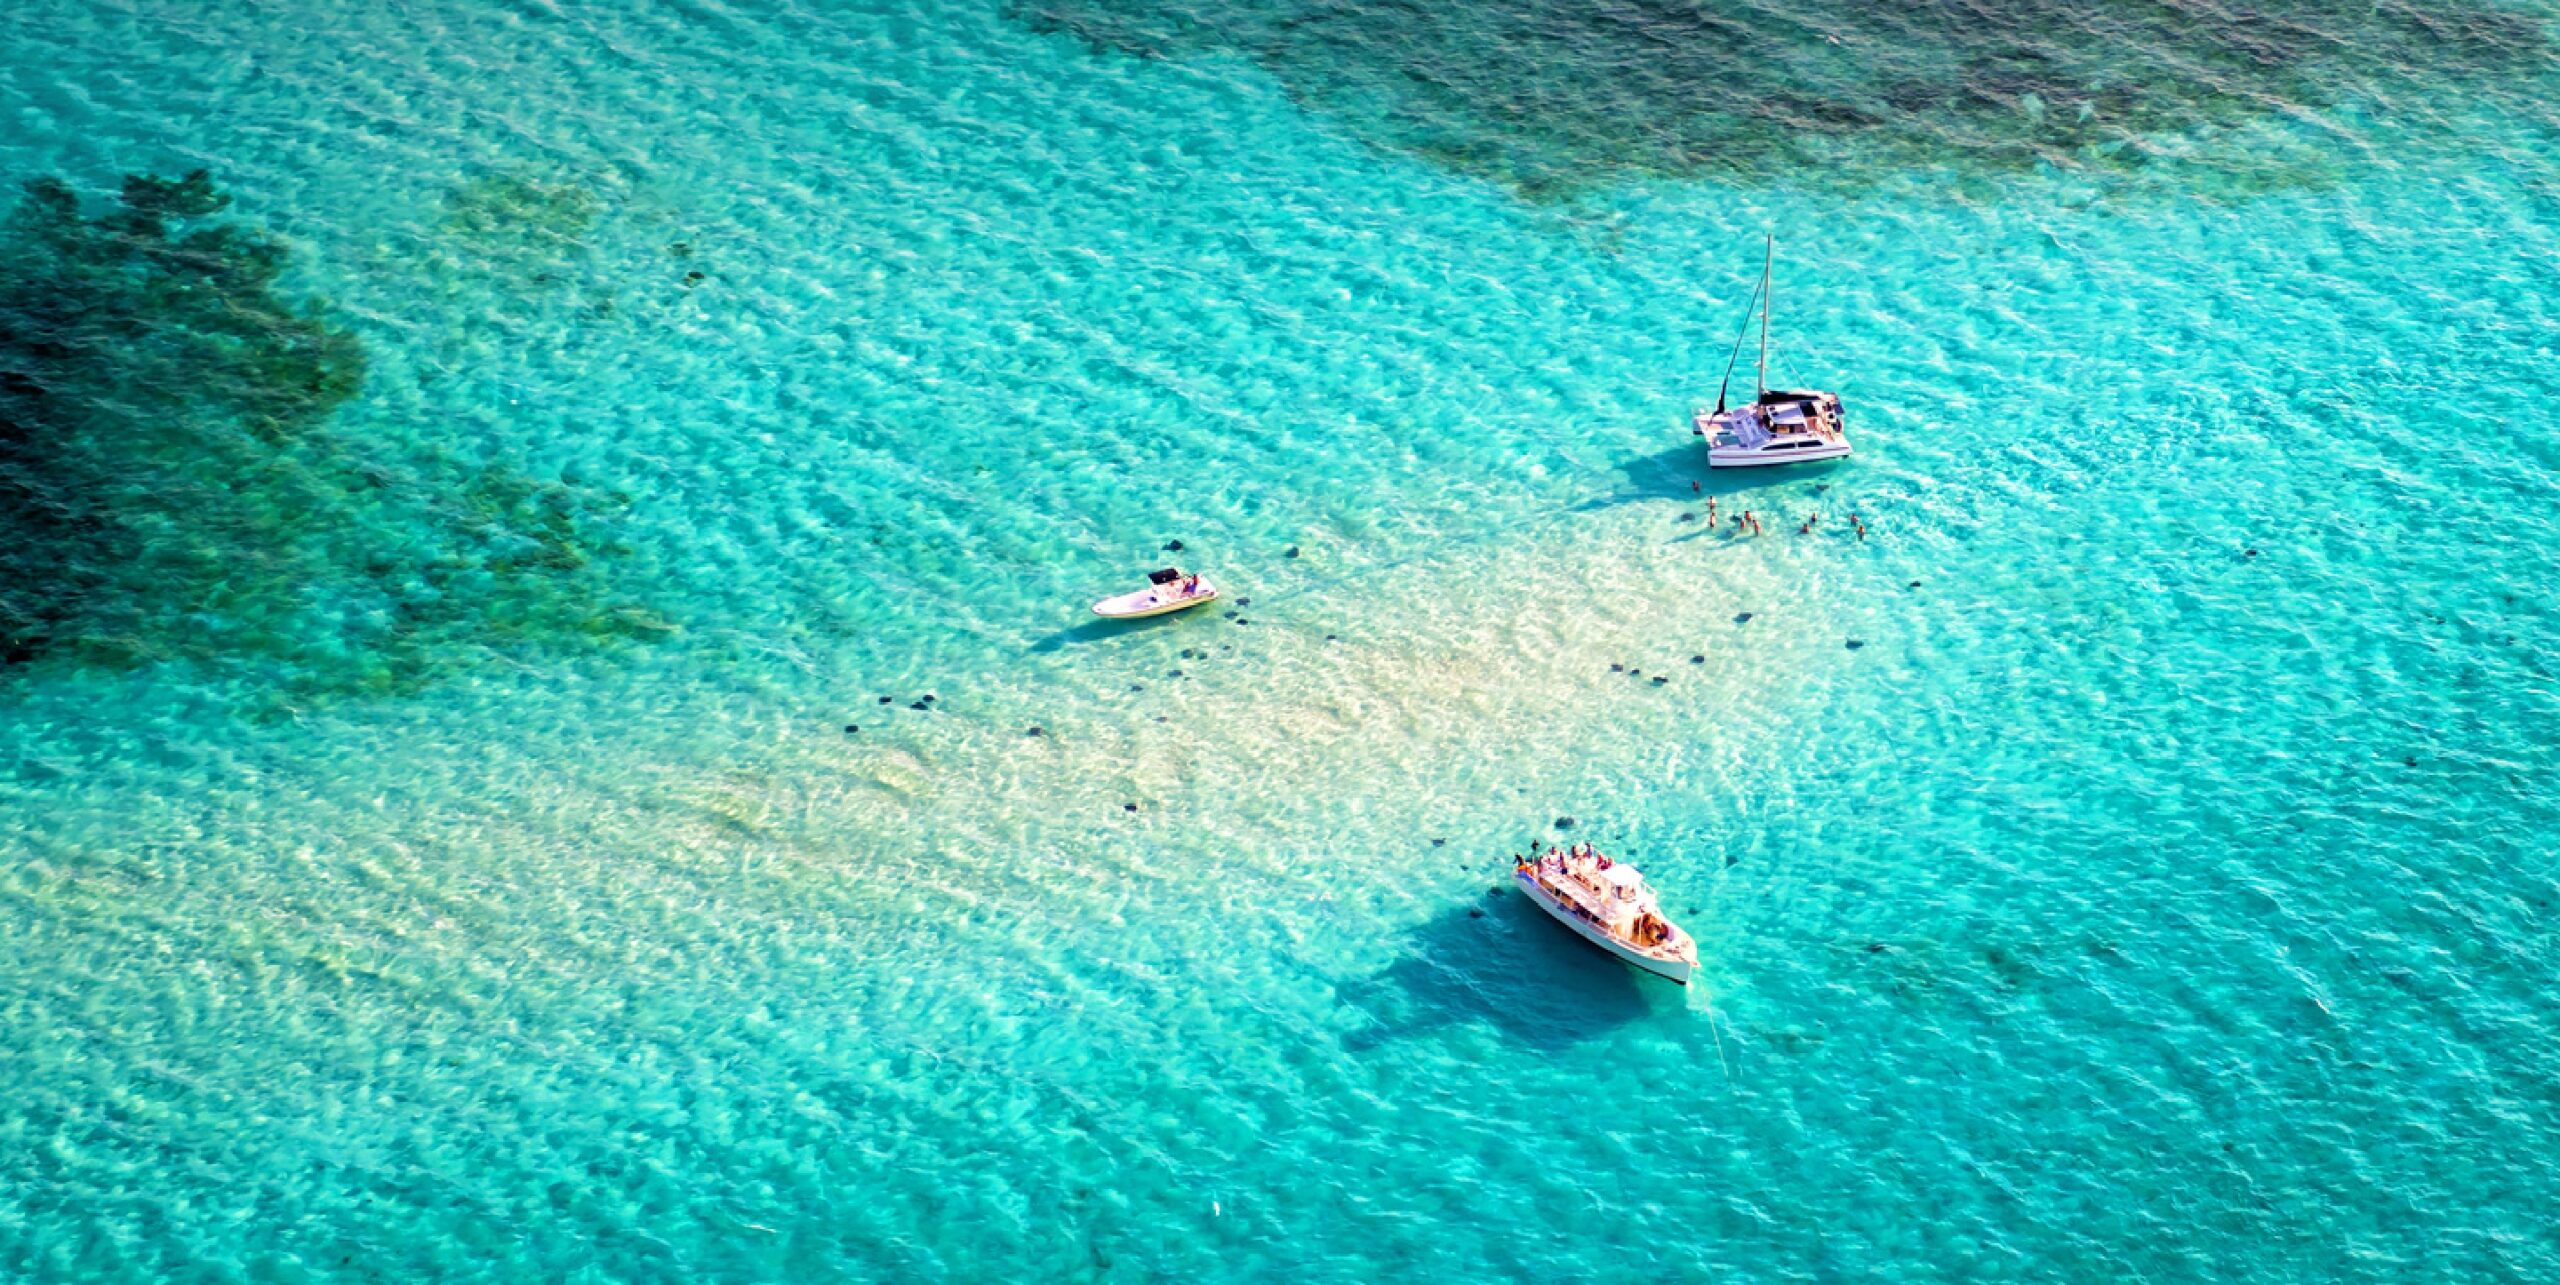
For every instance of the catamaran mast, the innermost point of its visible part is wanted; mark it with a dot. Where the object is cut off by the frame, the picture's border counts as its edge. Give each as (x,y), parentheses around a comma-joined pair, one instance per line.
(1743,332)
(1768,258)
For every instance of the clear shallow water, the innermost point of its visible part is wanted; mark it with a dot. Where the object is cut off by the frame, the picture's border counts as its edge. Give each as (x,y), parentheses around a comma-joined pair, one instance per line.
(2124,903)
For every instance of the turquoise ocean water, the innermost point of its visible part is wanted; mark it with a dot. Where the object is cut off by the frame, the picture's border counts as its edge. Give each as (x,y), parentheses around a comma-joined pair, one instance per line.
(456,830)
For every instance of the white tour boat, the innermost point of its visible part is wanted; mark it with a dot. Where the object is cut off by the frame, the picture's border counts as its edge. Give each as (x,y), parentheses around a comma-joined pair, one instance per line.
(1777,427)
(1612,907)
(1167,590)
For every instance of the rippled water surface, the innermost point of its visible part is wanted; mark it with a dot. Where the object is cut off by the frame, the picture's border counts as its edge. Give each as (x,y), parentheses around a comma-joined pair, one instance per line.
(526,629)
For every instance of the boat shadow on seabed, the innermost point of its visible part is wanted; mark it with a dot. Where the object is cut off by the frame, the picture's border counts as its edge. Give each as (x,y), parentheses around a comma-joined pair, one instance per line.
(1098,630)
(1513,967)
(1667,475)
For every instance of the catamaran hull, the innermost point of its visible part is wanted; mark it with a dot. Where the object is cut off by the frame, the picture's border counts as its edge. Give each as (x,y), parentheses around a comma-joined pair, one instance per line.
(1674,969)
(1724,458)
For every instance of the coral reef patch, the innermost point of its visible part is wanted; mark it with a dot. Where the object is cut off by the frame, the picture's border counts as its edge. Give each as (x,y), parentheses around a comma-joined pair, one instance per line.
(1553,96)
(175,487)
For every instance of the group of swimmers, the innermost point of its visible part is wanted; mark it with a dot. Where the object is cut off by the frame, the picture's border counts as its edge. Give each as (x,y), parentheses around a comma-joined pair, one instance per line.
(1807,527)
(1748,522)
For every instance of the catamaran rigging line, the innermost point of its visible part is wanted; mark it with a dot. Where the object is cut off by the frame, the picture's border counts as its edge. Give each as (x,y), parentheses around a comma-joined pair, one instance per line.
(1759,295)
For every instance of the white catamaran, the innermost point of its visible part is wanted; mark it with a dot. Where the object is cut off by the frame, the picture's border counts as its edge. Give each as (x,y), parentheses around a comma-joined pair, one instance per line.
(1777,427)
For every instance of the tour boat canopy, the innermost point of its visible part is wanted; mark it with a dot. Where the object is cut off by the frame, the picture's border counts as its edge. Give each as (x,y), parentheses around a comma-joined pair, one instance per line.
(1166,576)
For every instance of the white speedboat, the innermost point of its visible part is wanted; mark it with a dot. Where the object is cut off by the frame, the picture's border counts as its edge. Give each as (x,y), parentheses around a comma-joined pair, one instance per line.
(1776,427)
(1167,590)
(1611,906)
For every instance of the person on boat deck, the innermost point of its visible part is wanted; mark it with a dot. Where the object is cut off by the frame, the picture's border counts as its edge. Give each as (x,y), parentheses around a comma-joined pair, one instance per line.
(1191,584)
